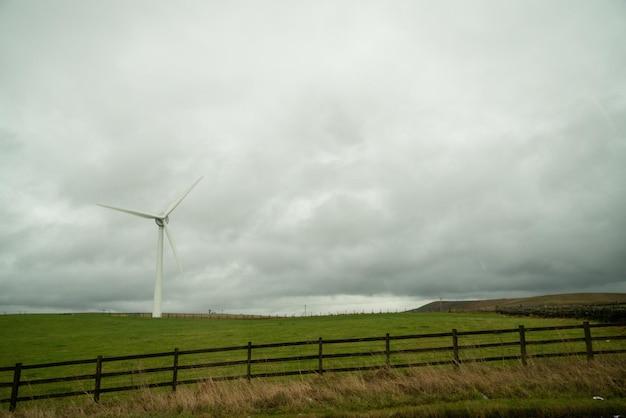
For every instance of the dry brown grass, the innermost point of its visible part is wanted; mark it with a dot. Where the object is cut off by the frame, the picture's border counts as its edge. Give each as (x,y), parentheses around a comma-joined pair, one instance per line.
(541,389)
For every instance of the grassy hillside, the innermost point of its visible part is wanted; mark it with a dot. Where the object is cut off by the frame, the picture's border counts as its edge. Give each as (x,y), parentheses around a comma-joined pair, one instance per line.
(490,305)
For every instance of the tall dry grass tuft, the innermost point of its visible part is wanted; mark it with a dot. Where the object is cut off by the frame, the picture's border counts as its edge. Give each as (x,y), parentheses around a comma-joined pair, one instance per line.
(426,391)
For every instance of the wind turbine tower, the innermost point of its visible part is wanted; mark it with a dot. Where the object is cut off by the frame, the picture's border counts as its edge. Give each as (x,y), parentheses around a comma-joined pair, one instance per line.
(161,220)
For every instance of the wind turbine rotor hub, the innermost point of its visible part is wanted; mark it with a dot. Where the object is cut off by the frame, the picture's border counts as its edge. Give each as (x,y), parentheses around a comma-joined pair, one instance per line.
(162,221)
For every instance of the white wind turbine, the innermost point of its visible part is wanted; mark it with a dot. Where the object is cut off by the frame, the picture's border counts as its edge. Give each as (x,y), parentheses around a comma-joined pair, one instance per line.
(161,220)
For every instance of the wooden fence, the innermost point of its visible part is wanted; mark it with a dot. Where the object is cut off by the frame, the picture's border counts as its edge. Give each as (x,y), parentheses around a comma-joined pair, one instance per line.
(101,375)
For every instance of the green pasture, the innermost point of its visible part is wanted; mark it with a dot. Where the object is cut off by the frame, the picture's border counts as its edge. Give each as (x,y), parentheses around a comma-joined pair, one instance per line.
(36,339)
(42,338)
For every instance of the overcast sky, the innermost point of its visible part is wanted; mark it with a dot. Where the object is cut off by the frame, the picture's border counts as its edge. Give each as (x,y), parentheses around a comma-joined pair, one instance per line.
(357,155)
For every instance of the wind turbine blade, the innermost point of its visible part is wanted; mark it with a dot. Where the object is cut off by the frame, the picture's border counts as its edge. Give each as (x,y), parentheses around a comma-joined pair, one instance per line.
(170,237)
(133,212)
(180,199)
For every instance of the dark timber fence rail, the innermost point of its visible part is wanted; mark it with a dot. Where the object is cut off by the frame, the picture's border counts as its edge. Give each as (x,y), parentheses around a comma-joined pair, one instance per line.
(101,375)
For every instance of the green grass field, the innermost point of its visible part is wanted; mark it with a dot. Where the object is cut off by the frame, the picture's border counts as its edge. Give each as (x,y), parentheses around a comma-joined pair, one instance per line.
(46,338)
(35,339)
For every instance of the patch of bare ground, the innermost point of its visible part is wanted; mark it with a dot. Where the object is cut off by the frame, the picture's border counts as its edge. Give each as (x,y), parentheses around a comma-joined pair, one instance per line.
(542,389)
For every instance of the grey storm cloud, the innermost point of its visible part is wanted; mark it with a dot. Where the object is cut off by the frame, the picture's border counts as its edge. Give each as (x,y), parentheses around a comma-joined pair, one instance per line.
(355,154)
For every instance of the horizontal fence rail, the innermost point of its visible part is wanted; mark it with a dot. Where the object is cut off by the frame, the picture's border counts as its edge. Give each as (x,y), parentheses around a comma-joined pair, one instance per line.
(100,375)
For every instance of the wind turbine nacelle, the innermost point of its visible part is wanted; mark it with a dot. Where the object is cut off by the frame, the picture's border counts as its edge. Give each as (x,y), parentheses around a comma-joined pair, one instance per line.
(162,221)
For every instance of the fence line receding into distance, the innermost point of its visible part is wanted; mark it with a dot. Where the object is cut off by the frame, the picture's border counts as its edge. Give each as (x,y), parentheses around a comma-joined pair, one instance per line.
(102,375)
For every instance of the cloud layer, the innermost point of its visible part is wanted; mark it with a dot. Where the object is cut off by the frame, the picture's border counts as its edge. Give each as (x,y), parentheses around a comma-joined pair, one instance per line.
(356,155)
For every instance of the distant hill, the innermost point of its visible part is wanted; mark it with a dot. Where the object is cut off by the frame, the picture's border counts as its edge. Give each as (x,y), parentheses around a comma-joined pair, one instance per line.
(491,305)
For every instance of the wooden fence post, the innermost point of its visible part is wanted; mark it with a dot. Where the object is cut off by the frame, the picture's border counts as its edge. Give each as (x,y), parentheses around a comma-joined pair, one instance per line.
(96,390)
(522,344)
(249,363)
(320,365)
(387,360)
(588,340)
(455,348)
(17,373)
(175,371)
